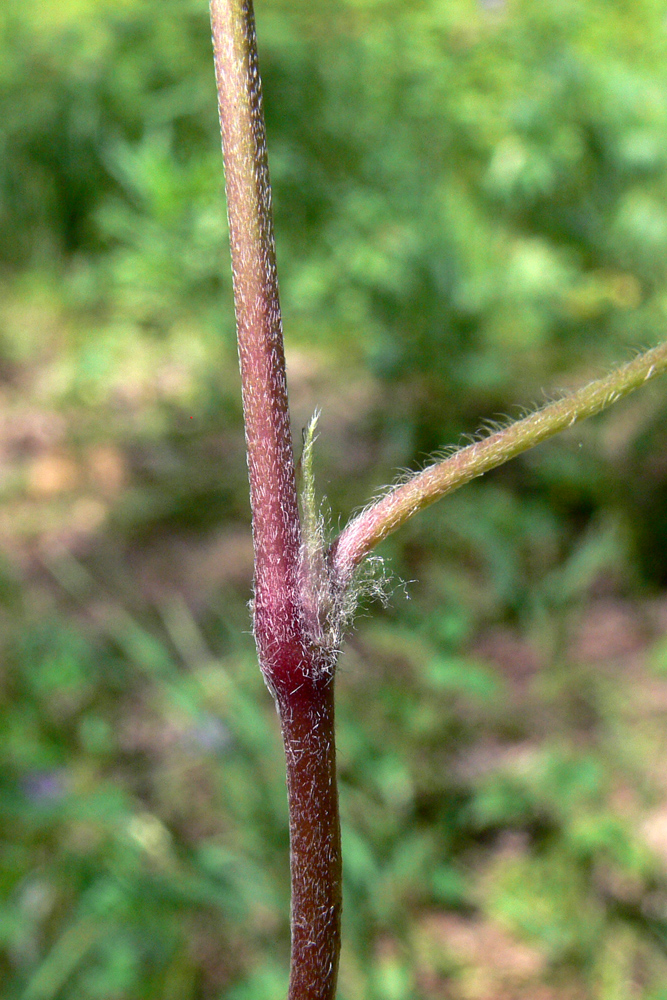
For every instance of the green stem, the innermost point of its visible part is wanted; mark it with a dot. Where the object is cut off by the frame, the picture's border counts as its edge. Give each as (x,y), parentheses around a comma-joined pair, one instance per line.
(382,518)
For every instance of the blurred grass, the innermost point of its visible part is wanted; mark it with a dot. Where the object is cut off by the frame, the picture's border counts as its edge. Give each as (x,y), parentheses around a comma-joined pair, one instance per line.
(471,201)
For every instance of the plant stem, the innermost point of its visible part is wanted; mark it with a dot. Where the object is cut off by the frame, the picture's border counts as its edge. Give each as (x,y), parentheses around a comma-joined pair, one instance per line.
(307,719)
(273,497)
(297,667)
(401,503)
(296,641)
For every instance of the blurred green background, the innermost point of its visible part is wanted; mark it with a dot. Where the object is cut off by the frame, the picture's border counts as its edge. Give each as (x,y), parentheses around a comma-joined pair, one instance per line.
(471,211)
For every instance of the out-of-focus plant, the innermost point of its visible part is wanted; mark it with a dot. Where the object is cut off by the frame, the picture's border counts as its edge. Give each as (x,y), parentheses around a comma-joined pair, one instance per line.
(305,589)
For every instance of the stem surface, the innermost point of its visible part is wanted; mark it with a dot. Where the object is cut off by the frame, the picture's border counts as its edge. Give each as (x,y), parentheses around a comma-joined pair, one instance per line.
(307,720)
(273,496)
(297,668)
(402,502)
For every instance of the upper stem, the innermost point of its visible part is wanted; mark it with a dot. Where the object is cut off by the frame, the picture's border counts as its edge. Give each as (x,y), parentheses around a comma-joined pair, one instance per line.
(273,496)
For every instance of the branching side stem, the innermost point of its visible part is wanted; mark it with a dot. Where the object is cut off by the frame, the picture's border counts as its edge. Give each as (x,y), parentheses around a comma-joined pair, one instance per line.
(365,531)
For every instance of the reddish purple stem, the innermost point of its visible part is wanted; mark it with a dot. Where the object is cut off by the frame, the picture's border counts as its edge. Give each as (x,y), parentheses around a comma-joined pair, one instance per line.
(273,497)
(297,668)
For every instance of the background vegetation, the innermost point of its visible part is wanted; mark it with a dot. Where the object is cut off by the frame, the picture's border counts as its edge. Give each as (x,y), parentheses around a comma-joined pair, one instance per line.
(471,203)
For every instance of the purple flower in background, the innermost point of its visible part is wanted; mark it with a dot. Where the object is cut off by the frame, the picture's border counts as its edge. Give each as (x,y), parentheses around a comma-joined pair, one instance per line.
(44,786)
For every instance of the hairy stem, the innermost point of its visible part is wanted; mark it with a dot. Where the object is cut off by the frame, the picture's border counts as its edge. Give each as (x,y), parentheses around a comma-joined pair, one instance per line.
(298,670)
(307,719)
(386,515)
(273,497)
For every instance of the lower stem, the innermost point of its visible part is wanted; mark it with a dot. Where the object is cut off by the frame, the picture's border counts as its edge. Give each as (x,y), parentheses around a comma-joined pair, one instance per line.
(307,721)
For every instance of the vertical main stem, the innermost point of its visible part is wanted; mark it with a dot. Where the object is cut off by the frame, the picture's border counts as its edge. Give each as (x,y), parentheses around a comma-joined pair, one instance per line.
(273,497)
(302,684)
(307,720)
